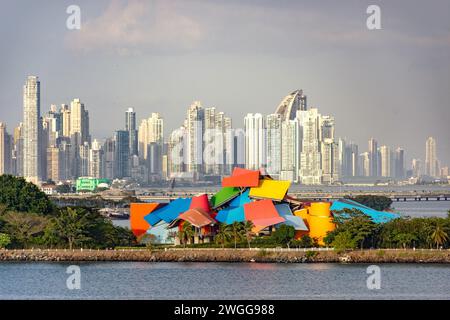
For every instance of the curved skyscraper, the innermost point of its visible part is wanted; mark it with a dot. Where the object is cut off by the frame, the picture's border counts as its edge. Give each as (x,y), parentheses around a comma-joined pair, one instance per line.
(291,104)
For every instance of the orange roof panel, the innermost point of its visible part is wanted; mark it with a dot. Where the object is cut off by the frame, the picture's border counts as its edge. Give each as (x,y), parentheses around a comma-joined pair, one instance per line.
(262,209)
(197,217)
(137,213)
(242,178)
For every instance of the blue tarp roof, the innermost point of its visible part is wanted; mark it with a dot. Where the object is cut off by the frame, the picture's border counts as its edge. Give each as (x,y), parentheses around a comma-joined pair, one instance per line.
(377,216)
(231,215)
(241,200)
(171,211)
(152,218)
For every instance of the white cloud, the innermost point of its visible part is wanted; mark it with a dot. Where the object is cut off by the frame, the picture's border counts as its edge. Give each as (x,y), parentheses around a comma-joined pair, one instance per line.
(136,26)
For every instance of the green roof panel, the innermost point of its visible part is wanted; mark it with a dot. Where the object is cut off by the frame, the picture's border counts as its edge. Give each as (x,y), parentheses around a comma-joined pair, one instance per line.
(225,195)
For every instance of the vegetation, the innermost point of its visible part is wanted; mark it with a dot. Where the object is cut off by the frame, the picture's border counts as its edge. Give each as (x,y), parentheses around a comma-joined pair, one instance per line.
(18,195)
(380,203)
(5,240)
(284,235)
(354,230)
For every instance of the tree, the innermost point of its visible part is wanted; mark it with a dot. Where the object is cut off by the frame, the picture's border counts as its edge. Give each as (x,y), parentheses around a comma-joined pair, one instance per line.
(247,227)
(360,226)
(405,239)
(223,234)
(236,230)
(5,240)
(72,225)
(63,188)
(186,233)
(23,227)
(439,236)
(284,235)
(306,242)
(344,240)
(18,195)
(380,203)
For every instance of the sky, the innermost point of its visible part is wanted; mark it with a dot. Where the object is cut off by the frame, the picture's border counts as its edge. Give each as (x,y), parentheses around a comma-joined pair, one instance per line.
(241,57)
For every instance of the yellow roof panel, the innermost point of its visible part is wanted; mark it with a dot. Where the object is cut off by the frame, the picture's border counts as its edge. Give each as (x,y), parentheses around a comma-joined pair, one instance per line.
(270,189)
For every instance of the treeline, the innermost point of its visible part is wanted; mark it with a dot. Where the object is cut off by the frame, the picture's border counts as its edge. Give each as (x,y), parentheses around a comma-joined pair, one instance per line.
(29,219)
(356,230)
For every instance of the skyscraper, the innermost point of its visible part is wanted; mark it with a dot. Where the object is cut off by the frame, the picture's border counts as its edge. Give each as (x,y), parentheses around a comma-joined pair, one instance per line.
(373,158)
(195,125)
(96,160)
(5,150)
(292,103)
(431,162)
(65,120)
(109,166)
(385,154)
(399,163)
(150,130)
(310,157)
(31,129)
(255,143)
(330,163)
(273,144)
(290,152)
(122,154)
(79,122)
(130,126)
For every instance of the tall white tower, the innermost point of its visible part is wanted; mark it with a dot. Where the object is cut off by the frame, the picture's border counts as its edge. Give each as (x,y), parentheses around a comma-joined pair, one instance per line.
(431,162)
(31,129)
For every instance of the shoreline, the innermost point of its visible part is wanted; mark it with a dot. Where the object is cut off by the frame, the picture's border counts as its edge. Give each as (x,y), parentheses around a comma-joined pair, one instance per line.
(421,256)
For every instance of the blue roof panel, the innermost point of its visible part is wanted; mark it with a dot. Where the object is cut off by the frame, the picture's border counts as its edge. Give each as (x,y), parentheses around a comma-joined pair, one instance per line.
(171,211)
(377,216)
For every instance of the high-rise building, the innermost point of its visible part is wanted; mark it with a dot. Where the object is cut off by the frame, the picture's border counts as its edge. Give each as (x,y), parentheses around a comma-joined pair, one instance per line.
(53,164)
(130,126)
(292,103)
(273,144)
(79,122)
(195,125)
(310,157)
(365,164)
(373,158)
(83,161)
(96,160)
(399,163)
(151,130)
(122,154)
(255,141)
(32,130)
(290,152)
(17,152)
(385,157)
(65,120)
(109,153)
(176,156)
(416,166)
(431,161)
(5,150)
(330,161)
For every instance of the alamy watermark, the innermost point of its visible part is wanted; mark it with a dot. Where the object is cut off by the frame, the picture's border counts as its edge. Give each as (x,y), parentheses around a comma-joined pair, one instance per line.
(374,280)
(73,21)
(73,282)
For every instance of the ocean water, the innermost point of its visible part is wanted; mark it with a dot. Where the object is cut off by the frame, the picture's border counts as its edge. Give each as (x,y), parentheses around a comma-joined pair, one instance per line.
(190,281)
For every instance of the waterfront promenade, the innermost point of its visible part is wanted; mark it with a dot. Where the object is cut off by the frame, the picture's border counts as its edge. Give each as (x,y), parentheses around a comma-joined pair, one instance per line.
(267,255)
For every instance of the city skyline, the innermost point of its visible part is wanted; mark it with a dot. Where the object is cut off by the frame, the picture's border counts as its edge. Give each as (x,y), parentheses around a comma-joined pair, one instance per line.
(390,84)
(294,143)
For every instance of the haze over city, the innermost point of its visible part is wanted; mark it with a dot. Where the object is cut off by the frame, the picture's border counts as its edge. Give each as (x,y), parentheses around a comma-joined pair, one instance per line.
(390,84)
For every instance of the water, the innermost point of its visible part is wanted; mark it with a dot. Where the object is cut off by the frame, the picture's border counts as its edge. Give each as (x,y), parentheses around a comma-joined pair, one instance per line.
(128,280)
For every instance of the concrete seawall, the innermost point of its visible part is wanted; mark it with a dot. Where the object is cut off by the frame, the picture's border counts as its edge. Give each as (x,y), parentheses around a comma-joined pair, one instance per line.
(230,255)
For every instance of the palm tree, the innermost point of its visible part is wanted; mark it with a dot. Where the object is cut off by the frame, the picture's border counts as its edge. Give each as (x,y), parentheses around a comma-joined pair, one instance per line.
(223,234)
(439,236)
(247,231)
(186,232)
(236,229)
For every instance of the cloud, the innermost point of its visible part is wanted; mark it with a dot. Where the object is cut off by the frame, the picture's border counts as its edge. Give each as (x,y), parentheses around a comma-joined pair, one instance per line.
(136,26)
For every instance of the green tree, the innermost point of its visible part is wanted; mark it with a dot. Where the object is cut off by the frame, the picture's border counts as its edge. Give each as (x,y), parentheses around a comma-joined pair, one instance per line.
(439,236)
(247,227)
(405,239)
(5,240)
(23,227)
(186,233)
(344,240)
(380,203)
(283,235)
(18,195)
(236,231)
(72,225)
(223,234)
(306,241)
(360,226)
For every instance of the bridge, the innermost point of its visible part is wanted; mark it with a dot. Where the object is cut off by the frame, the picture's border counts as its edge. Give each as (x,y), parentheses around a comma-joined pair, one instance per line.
(311,196)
